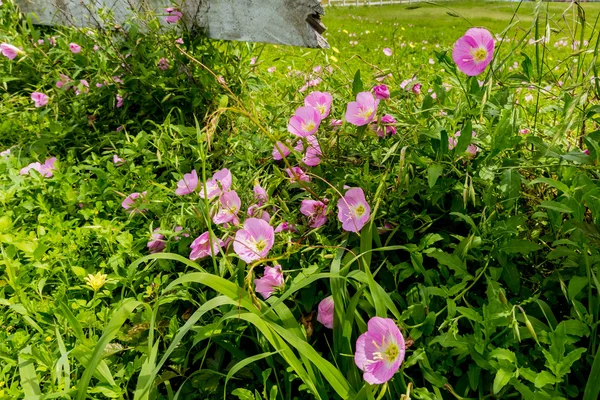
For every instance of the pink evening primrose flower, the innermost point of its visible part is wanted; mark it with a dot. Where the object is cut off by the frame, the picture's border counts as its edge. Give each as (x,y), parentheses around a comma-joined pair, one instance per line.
(75,48)
(188,184)
(313,155)
(254,241)
(9,51)
(280,151)
(271,69)
(271,280)
(64,79)
(255,212)
(163,64)
(157,243)
(381,92)
(326,311)
(201,246)
(473,52)
(131,200)
(285,227)
(229,206)
(321,101)
(44,169)
(119,101)
(305,121)
(353,210)
(416,89)
(260,194)
(363,110)
(297,174)
(379,351)
(383,129)
(218,184)
(174,15)
(39,99)
(316,211)
(179,41)
(387,51)
(118,161)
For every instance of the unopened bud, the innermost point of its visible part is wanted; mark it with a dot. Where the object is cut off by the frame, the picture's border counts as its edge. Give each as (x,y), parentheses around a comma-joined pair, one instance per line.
(502,297)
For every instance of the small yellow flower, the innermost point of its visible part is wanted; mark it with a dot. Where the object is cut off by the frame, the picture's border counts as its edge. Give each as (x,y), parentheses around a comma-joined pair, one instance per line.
(96,281)
(333,58)
(48,338)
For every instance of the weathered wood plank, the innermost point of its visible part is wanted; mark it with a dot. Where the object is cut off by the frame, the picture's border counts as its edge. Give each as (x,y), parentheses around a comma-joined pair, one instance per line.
(291,22)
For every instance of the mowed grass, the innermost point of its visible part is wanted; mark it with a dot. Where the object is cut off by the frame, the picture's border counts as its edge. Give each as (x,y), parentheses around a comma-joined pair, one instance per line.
(357,35)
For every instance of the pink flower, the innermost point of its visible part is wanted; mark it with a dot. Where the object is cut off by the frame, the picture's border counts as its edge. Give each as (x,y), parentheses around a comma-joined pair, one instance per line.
(118,161)
(188,184)
(379,351)
(163,64)
(179,41)
(40,41)
(174,15)
(39,99)
(313,152)
(217,185)
(255,212)
(416,89)
(336,122)
(353,210)
(63,80)
(321,101)
(285,227)
(229,206)
(75,48)
(85,85)
(453,140)
(383,129)
(260,194)
(326,311)
(52,41)
(381,92)
(9,51)
(586,151)
(271,280)
(524,131)
(119,101)
(44,169)
(271,69)
(363,110)
(316,211)
(297,174)
(131,200)
(201,246)
(254,241)
(305,121)
(253,61)
(280,151)
(96,48)
(157,243)
(387,51)
(472,150)
(473,52)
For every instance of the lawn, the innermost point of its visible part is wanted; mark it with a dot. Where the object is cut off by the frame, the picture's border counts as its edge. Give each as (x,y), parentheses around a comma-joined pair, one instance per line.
(197,219)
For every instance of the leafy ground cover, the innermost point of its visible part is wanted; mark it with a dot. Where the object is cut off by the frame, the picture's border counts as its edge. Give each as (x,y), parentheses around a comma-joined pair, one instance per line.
(184,218)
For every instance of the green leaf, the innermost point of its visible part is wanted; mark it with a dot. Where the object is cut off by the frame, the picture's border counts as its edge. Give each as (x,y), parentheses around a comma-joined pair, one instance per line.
(510,185)
(592,387)
(504,354)
(544,378)
(512,277)
(553,183)
(514,246)
(243,363)
(501,379)
(115,322)
(470,314)
(433,173)
(451,261)
(465,138)
(243,394)
(357,85)
(29,380)
(576,285)
(555,206)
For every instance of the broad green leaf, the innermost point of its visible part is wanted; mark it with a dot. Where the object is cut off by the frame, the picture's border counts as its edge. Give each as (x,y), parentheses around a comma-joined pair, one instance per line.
(451,261)
(553,183)
(556,206)
(357,85)
(29,380)
(520,246)
(510,185)
(504,354)
(576,285)
(501,379)
(470,314)
(243,394)
(433,173)
(544,378)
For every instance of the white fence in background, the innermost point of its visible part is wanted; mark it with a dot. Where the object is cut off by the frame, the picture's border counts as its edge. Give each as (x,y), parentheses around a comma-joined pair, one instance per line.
(365,2)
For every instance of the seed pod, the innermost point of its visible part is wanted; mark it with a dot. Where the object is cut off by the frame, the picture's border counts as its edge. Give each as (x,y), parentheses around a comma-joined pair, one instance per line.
(528,324)
(516,332)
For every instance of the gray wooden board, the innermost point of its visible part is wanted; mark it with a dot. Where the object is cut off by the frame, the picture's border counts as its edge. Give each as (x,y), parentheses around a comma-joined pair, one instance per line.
(290,22)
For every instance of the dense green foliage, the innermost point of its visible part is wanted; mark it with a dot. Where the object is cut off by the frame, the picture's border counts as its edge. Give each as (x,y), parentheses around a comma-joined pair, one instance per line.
(489,264)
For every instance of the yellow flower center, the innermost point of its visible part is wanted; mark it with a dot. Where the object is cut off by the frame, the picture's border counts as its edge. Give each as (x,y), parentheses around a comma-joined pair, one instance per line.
(360,210)
(389,355)
(261,244)
(322,109)
(479,54)
(364,113)
(308,127)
